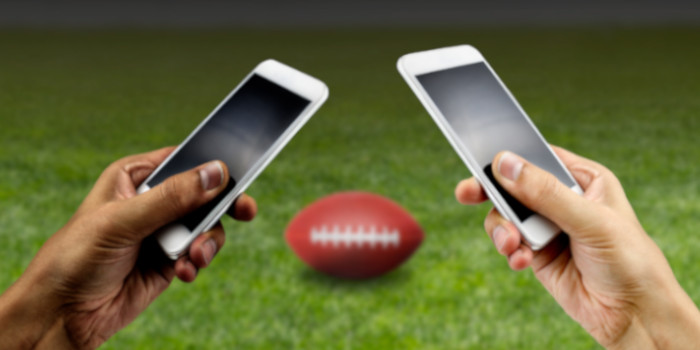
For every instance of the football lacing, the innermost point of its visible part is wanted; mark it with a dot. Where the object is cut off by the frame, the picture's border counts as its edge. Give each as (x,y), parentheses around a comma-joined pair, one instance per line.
(359,237)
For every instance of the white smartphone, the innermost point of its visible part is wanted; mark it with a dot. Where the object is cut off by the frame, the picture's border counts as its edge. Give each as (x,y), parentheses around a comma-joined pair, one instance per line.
(245,131)
(480,117)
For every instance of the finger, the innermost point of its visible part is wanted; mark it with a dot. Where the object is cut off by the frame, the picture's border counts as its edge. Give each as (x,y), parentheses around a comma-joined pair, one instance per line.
(543,193)
(156,156)
(521,258)
(574,161)
(205,247)
(123,177)
(134,165)
(584,171)
(469,191)
(597,181)
(185,269)
(172,199)
(139,167)
(244,208)
(508,242)
(504,235)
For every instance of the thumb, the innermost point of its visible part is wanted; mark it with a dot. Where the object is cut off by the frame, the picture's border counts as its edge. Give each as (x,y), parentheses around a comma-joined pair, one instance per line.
(544,194)
(173,198)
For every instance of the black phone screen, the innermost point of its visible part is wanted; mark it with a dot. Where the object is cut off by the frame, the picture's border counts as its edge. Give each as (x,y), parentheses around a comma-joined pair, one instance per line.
(238,133)
(487,120)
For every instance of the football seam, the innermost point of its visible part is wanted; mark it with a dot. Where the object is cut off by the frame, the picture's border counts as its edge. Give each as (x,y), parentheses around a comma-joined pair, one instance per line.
(360,237)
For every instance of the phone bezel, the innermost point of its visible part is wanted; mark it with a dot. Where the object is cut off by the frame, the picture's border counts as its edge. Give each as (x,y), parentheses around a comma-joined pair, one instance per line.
(537,231)
(175,238)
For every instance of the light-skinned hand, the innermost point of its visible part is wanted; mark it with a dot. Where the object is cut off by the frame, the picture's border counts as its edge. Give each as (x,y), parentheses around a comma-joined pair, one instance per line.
(605,272)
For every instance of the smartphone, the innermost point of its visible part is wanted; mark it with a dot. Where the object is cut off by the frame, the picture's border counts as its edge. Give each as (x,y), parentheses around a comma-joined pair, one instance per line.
(245,131)
(480,117)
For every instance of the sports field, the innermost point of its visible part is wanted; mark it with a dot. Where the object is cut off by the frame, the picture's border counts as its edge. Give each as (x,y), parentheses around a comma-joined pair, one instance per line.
(71,102)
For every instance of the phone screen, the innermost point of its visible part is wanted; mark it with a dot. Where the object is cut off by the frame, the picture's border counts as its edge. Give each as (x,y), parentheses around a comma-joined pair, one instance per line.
(238,133)
(486,120)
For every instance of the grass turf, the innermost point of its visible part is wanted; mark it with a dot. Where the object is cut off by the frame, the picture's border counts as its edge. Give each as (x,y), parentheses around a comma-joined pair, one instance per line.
(71,102)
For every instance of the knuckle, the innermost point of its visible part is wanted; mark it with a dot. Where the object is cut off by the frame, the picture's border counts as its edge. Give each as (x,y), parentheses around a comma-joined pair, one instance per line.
(219,237)
(173,197)
(608,176)
(114,167)
(492,219)
(121,163)
(604,172)
(547,189)
(600,167)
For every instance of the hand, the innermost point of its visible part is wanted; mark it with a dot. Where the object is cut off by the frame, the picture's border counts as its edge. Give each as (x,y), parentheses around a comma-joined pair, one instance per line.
(606,272)
(97,273)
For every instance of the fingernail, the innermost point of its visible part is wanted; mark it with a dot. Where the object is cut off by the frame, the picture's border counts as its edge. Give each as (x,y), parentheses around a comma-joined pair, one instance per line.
(208,250)
(212,175)
(499,236)
(510,166)
(193,270)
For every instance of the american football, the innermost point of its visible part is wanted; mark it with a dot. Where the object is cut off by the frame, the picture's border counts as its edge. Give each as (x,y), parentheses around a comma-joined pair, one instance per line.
(354,235)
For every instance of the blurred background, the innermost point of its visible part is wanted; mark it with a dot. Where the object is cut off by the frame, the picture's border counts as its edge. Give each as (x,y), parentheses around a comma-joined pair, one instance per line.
(83,83)
(319,13)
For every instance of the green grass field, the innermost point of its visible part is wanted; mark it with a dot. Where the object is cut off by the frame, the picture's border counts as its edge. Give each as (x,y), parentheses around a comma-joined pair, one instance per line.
(71,102)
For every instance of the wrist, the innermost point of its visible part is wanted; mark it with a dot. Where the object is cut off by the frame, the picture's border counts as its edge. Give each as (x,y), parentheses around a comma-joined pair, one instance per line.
(675,323)
(30,315)
(636,336)
(667,319)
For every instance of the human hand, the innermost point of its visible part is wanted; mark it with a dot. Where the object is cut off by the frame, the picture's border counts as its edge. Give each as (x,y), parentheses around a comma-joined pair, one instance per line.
(98,272)
(605,272)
